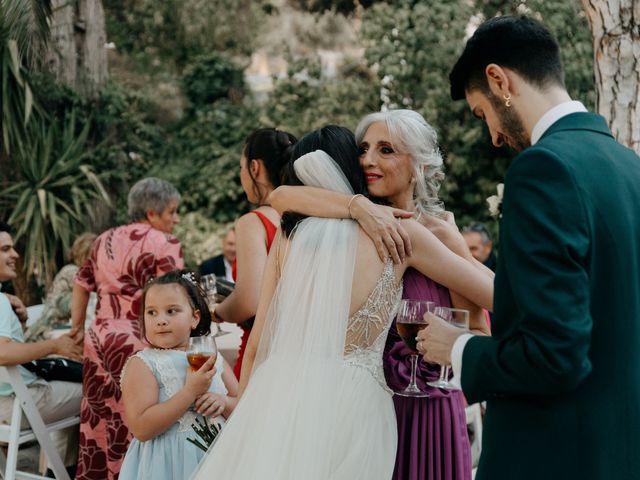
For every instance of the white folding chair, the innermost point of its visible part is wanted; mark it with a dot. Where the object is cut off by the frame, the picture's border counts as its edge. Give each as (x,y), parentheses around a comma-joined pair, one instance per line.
(474,418)
(14,436)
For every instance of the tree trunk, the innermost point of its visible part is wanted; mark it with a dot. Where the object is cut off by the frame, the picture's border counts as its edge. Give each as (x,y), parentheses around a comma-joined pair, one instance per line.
(615,28)
(78,56)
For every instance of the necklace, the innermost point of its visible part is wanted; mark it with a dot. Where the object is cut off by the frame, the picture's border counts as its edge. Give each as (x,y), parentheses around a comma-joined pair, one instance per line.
(419,215)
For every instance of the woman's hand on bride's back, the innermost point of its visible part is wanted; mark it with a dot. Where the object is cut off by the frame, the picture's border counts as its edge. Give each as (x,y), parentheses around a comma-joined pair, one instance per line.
(445,229)
(382,225)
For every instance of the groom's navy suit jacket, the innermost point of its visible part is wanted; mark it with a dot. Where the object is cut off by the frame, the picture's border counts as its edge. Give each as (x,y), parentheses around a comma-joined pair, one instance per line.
(561,374)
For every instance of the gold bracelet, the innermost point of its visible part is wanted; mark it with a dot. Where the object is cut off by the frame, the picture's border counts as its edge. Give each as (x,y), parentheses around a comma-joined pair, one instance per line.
(350,202)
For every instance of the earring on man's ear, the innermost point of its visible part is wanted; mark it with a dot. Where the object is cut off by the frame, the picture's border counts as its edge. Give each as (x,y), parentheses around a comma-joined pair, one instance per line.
(507,100)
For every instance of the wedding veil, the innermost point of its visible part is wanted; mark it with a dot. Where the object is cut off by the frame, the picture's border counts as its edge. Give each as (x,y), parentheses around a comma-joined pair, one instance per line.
(297,367)
(309,311)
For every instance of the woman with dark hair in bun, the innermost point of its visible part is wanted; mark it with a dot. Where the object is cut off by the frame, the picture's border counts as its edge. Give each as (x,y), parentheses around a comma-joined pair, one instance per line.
(265,153)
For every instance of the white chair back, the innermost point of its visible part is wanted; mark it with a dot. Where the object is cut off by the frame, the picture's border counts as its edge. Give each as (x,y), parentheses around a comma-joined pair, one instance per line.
(14,436)
(34,312)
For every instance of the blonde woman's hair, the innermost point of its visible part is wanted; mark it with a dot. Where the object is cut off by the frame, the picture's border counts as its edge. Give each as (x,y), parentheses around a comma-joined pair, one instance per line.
(410,133)
(81,247)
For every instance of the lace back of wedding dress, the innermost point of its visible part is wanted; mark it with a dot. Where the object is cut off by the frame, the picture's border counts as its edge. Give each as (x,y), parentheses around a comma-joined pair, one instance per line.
(367,328)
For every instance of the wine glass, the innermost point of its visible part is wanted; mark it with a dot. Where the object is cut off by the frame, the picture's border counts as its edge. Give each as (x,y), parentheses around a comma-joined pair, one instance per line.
(208,284)
(460,319)
(200,349)
(409,322)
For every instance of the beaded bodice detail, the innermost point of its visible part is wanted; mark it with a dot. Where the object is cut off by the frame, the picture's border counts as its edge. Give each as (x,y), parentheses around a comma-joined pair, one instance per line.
(367,328)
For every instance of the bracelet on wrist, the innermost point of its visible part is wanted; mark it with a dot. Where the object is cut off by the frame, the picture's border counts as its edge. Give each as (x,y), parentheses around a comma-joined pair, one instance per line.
(350,202)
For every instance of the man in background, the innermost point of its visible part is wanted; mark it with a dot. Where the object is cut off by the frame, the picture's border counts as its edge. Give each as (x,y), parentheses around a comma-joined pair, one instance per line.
(221,265)
(479,242)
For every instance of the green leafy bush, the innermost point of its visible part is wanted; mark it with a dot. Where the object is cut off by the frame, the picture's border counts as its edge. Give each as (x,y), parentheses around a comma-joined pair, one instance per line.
(211,78)
(202,159)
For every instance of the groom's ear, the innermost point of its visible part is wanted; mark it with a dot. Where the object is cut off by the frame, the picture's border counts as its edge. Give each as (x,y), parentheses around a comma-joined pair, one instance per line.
(498,80)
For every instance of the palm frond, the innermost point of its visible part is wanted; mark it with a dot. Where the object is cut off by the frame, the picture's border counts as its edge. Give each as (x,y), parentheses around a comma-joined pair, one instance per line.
(27,22)
(55,194)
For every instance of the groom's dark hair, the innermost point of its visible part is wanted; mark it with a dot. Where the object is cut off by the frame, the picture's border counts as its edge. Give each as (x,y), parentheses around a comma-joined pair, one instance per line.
(340,144)
(518,43)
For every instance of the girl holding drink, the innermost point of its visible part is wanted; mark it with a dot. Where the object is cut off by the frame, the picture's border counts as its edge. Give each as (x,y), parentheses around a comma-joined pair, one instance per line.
(163,392)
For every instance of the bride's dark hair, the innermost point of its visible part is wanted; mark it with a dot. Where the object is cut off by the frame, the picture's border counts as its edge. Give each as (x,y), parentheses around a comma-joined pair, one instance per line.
(340,144)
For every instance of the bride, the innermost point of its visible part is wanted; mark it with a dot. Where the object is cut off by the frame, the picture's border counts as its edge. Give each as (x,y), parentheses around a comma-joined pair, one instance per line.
(317,406)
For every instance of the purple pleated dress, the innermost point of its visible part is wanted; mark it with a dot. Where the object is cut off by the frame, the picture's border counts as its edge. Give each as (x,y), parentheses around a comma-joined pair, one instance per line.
(432,434)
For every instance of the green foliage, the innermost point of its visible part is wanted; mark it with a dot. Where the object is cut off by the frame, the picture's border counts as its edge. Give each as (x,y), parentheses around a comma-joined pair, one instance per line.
(201,236)
(24,30)
(53,195)
(27,23)
(211,78)
(340,6)
(304,100)
(17,98)
(202,159)
(178,30)
(125,141)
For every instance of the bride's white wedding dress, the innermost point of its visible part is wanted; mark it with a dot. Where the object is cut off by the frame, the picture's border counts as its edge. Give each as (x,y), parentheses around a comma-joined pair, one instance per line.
(317,406)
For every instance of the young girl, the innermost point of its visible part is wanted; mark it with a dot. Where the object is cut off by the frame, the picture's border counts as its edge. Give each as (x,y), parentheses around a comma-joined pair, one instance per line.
(162,395)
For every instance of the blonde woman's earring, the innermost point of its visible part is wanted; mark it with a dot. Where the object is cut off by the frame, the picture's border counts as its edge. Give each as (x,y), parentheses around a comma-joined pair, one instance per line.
(507,100)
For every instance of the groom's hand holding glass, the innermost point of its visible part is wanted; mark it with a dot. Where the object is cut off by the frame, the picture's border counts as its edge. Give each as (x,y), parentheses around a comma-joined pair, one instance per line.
(436,340)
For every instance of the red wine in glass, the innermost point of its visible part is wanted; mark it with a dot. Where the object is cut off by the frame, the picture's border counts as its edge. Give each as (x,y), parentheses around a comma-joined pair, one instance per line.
(409,321)
(408,332)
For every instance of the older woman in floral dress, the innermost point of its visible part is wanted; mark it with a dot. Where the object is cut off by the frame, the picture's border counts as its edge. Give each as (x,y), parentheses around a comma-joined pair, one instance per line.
(122,260)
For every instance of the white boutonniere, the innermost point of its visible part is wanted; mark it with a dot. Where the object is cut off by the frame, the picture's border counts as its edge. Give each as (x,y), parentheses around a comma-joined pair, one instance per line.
(495,201)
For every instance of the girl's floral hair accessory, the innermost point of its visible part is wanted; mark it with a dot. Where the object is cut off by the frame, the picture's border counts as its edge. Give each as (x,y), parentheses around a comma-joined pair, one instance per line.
(190,277)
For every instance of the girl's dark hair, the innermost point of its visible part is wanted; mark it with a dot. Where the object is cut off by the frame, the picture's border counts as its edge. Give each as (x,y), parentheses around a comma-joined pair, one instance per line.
(189,280)
(273,147)
(340,144)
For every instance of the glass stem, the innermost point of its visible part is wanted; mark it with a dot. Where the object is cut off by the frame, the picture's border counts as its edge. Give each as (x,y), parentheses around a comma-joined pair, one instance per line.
(443,373)
(414,368)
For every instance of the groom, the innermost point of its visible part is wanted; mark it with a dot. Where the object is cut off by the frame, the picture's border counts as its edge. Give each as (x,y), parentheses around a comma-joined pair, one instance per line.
(561,374)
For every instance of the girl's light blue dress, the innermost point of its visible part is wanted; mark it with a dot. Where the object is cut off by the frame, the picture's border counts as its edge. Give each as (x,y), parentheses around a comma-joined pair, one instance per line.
(169,455)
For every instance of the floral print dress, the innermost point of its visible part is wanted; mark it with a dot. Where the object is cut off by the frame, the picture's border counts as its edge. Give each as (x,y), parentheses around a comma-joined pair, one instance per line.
(122,261)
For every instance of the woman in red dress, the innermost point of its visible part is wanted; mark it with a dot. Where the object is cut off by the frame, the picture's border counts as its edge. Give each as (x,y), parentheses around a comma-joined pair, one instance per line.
(121,262)
(265,152)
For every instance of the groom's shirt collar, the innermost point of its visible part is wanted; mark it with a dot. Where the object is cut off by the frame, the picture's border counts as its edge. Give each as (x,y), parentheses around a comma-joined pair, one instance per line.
(552,116)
